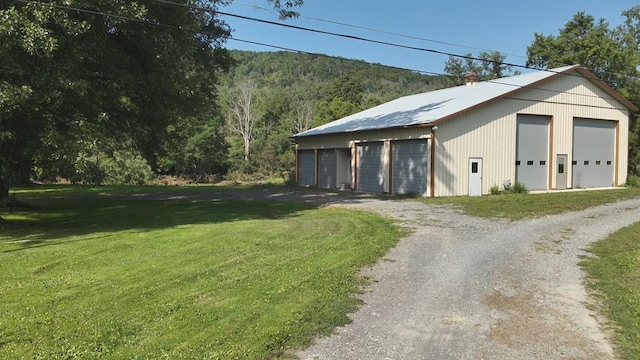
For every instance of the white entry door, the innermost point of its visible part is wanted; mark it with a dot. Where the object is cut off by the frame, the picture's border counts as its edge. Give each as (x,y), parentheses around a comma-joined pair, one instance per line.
(475,176)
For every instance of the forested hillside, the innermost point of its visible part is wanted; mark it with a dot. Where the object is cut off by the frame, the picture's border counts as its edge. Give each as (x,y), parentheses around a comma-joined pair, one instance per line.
(287,69)
(269,96)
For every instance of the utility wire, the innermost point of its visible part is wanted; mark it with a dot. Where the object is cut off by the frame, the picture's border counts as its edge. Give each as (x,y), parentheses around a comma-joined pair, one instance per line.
(257,7)
(446,75)
(180,28)
(435,51)
(354,37)
(348,36)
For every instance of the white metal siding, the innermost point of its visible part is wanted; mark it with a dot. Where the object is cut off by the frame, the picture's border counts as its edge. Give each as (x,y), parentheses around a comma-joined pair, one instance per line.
(410,167)
(370,176)
(306,167)
(532,151)
(593,153)
(327,169)
(490,132)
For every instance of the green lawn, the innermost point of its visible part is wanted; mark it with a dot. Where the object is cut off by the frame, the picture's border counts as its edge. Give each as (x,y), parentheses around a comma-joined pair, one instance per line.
(614,276)
(80,190)
(87,276)
(82,277)
(526,206)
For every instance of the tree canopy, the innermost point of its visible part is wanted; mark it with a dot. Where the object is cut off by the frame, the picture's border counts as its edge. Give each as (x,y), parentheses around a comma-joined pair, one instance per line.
(613,54)
(488,66)
(81,78)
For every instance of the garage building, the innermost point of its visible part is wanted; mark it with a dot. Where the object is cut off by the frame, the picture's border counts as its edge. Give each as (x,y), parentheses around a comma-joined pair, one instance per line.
(553,129)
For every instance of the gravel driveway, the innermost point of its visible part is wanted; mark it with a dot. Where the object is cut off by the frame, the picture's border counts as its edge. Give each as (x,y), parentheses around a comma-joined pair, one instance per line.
(462,287)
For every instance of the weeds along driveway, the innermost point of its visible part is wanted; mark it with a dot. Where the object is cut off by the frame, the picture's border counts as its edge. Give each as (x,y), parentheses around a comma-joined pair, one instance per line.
(468,288)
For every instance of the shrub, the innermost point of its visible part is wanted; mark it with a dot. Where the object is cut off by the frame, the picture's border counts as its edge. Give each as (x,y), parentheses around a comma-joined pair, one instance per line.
(494,190)
(87,171)
(633,181)
(126,168)
(518,188)
(289,177)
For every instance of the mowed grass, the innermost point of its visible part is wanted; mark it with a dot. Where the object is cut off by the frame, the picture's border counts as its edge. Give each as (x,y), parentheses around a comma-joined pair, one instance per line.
(150,279)
(527,206)
(614,276)
(58,190)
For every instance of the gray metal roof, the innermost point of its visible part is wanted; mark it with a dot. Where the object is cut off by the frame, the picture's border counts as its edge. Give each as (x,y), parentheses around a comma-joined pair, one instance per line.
(431,106)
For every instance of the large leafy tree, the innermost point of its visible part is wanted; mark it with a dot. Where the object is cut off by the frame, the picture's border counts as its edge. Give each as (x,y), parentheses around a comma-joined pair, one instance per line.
(488,66)
(76,73)
(613,54)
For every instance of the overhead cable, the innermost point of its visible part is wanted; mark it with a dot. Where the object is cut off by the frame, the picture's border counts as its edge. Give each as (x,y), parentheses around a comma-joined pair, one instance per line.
(181,28)
(381,31)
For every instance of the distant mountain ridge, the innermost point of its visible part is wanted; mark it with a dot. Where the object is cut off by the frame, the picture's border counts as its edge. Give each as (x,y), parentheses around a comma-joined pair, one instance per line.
(287,69)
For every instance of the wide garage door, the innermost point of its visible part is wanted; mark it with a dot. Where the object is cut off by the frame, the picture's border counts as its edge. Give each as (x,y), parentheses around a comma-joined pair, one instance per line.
(532,151)
(327,168)
(307,167)
(410,167)
(593,153)
(370,176)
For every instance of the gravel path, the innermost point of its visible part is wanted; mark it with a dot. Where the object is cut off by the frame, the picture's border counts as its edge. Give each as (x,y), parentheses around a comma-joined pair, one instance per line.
(468,288)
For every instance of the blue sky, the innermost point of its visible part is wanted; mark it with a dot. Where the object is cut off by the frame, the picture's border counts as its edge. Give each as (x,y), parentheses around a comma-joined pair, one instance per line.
(500,25)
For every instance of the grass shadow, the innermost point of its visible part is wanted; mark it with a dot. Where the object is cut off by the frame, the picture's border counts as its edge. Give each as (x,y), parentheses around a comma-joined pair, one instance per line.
(51,219)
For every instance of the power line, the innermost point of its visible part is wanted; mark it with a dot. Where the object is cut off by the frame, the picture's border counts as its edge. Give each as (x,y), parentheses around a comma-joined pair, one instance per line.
(354,37)
(205,9)
(382,31)
(424,72)
(348,36)
(180,28)
(494,81)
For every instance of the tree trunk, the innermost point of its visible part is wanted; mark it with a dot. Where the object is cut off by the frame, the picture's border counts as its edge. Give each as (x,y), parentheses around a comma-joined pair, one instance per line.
(4,193)
(4,190)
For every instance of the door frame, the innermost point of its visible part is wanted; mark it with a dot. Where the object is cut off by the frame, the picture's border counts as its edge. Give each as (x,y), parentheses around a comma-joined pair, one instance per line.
(562,160)
(475,181)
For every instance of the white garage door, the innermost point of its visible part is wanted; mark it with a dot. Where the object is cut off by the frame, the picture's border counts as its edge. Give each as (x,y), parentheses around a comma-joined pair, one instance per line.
(307,167)
(327,168)
(532,151)
(593,153)
(370,176)
(410,167)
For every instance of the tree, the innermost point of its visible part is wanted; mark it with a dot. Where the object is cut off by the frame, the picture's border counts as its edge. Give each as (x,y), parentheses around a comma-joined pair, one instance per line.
(585,41)
(116,69)
(303,116)
(346,88)
(195,148)
(327,111)
(611,54)
(242,114)
(488,66)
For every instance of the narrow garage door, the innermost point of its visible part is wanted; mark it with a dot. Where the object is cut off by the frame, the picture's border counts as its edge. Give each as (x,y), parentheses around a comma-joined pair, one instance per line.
(593,153)
(307,167)
(410,167)
(370,176)
(532,151)
(327,169)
